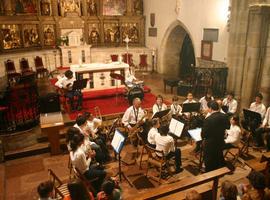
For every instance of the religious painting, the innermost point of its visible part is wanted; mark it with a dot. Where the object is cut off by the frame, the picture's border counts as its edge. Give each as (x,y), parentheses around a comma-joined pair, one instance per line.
(114,7)
(92,7)
(111,33)
(30,36)
(138,7)
(206,50)
(25,6)
(70,7)
(131,31)
(10,34)
(94,34)
(45,7)
(49,35)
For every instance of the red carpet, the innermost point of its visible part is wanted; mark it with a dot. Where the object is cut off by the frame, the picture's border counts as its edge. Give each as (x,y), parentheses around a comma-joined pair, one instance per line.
(109,105)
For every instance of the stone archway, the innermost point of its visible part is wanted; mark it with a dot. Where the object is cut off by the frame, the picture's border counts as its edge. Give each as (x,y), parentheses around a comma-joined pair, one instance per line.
(171,47)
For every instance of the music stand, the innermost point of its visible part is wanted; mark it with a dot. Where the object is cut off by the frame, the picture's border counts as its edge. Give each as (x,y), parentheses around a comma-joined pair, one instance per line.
(79,84)
(117,143)
(191,107)
(251,116)
(161,114)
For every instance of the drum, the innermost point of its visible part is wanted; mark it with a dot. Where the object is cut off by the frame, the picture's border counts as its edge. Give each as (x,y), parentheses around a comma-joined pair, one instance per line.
(134,93)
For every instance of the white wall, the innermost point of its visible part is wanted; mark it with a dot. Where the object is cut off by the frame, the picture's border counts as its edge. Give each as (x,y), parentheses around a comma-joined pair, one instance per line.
(194,15)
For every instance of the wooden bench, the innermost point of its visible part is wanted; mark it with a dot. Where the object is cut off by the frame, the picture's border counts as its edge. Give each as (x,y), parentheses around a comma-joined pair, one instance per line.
(174,190)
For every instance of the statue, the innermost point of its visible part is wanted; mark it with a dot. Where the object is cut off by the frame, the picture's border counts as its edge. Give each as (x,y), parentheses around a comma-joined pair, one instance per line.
(117,34)
(92,8)
(134,34)
(45,7)
(177,7)
(94,36)
(138,7)
(49,36)
(69,6)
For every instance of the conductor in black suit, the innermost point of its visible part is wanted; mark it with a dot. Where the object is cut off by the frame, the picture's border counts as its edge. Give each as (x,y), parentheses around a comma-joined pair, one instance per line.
(213,135)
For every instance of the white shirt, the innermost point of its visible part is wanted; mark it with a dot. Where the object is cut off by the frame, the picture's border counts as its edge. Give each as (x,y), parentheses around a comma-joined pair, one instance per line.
(233,135)
(86,137)
(130,78)
(266,120)
(176,109)
(232,105)
(64,82)
(165,144)
(157,108)
(132,116)
(259,108)
(79,160)
(187,101)
(91,125)
(151,137)
(204,103)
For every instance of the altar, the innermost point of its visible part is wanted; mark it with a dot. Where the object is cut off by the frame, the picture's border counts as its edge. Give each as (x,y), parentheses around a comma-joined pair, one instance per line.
(98,74)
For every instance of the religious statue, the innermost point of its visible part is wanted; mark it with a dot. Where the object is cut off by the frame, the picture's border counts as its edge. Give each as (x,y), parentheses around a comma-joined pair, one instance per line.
(92,8)
(70,6)
(138,7)
(49,38)
(177,7)
(31,37)
(45,7)
(134,34)
(11,36)
(94,36)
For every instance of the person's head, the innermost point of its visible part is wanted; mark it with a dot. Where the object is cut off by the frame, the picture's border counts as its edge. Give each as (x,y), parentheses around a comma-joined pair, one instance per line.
(234,120)
(88,116)
(76,142)
(77,191)
(45,189)
(164,130)
(137,102)
(108,187)
(213,106)
(175,99)
(230,96)
(81,120)
(258,98)
(190,96)
(229,190)
(208,95)
(159,99)
(69,74)
(71,132)
(193,195)
(257,180)
(155,122)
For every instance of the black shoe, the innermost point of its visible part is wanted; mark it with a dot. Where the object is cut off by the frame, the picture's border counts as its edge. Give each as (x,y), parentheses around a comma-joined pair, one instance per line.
(178,170)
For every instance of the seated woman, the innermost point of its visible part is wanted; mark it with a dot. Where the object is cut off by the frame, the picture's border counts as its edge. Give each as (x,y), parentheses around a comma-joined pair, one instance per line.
(153,132)
(82,161)
(77,191)
(233,134)
(159,105)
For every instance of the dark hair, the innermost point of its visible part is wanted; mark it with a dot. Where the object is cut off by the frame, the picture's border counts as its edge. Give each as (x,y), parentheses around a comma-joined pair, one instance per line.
(230,93)
(44,189)
(108,187)
(164,130)
(257,180)
(229,190)
(78,191)
(76,141)
(71,132)
(236,119)
(68,74)
(154,121)
(80,120)
(175,98)
(213,105)
(159,97)
(259,95)
(193,195)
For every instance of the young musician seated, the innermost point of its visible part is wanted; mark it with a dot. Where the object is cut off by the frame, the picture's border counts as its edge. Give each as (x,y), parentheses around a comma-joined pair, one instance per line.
(66,84)
(204,100)
(258,106)
(264,128)
(230,103)
(159,105)
(82,161)
(233,134)
(165,143)
(151,137)
(176,109)
(189,98)
(130,79)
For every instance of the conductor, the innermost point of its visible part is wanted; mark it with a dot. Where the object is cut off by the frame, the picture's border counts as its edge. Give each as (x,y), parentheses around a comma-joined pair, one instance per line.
(213,135)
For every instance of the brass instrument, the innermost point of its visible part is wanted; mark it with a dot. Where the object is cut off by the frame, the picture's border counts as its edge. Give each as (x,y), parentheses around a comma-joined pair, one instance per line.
(137,128)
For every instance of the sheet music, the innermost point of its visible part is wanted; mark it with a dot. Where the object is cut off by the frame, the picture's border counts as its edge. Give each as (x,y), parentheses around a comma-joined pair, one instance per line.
(195,134)
(176,127)
(117,141)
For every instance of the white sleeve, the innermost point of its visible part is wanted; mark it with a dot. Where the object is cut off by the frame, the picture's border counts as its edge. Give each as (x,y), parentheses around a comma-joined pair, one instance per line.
(155,109)
(234,107)
(125,118)
(59,83)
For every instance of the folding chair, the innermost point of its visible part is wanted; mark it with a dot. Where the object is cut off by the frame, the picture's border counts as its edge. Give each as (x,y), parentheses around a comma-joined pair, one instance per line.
(60,188)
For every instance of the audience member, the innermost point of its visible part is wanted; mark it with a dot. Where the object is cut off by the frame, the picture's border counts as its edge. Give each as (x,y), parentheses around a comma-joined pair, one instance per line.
(110,190)
(77,191)
(45,190)
(228,191)
(193,195)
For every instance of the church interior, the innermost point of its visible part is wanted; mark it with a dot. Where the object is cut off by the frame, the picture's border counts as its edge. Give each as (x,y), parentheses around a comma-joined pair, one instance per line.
(134,99)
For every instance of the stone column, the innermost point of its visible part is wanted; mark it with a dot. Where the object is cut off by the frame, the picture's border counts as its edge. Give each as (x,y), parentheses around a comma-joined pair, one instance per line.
(8,7)
(129,7)
(84,8)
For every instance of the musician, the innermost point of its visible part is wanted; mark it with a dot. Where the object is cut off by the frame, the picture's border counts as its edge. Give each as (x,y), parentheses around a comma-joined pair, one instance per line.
(233,134)
(204,100)
(130,78)
(213,135)
(189,98)
(230,103)
(264,128)
(66,84)
(159,105)
(165,143)
(258,106)
(176,109)
(151,137)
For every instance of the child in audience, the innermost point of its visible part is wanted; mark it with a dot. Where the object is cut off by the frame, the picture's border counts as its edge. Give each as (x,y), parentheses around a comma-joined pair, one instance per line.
(193,195)
(77,191)
(228,191)
(110,190)
(45,190)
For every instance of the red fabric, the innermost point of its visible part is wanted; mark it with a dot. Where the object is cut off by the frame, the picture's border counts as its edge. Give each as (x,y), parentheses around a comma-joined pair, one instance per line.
(63,68)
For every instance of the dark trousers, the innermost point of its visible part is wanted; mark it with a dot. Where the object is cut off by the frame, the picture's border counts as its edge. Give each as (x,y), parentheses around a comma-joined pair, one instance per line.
(228,146)
(177,155)
(213,157)
(95,172)
(259,137)
(71,96)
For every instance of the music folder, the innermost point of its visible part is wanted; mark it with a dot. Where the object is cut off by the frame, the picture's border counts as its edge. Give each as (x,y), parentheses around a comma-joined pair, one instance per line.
(251,115)
(161,114)
(191,107)
(118,141)
(195,134)
(79,84)
(176,127)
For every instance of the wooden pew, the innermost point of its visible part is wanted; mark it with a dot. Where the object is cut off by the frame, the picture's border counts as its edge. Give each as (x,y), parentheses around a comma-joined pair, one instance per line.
(172,191)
